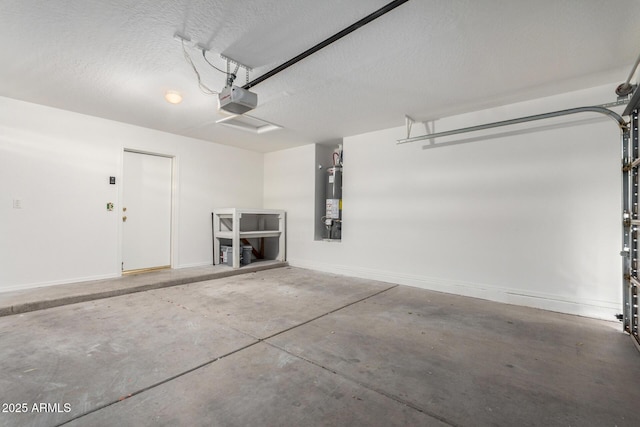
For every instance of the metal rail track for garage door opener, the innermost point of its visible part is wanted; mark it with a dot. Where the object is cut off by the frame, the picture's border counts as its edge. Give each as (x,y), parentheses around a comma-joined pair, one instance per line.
(630,221)
(630,183)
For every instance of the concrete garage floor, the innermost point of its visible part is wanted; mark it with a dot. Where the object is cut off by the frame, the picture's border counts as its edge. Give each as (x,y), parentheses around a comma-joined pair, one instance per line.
(293,347)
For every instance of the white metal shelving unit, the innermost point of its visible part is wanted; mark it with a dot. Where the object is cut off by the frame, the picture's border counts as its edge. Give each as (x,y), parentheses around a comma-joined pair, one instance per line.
(227,224)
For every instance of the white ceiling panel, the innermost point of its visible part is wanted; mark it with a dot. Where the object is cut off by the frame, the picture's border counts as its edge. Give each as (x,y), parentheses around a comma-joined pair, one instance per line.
(427,58)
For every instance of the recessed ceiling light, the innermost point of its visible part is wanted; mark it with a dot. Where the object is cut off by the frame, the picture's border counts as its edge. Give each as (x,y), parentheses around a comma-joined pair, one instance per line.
(248,123)
(173,97)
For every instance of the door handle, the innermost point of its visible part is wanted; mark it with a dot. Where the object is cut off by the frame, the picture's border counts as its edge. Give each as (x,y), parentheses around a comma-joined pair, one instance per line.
(124,218)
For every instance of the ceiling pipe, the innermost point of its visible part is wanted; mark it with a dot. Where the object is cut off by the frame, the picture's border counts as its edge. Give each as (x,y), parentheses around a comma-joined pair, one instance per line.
(351,28)
(595,109)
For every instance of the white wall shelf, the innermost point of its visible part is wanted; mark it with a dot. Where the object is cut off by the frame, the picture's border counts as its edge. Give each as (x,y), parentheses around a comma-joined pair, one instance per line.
(237,224)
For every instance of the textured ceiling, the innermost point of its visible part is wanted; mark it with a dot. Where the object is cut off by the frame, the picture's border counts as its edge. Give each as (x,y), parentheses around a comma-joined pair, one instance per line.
(427,58)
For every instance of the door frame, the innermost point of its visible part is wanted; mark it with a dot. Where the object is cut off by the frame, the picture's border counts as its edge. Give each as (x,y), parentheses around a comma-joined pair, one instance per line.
(173,255)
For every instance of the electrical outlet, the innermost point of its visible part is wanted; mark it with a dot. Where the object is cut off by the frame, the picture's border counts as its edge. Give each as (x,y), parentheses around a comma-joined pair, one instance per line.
(17,204)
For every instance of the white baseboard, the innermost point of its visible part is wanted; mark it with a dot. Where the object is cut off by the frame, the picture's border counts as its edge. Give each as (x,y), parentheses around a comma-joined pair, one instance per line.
(24,286)
(605,310)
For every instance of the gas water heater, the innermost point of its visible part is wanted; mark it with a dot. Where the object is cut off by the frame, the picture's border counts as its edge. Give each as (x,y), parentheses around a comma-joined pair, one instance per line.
(333,215)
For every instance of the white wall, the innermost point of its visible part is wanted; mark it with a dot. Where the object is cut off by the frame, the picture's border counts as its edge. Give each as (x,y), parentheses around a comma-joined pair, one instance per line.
(58,164)
(527,214)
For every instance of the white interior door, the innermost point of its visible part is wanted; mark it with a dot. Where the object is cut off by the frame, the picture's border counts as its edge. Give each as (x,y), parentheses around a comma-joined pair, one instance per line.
(146,211)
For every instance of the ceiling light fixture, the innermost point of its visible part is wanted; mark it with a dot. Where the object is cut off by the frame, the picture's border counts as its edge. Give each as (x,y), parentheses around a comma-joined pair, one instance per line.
(173,97)
(248,123)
